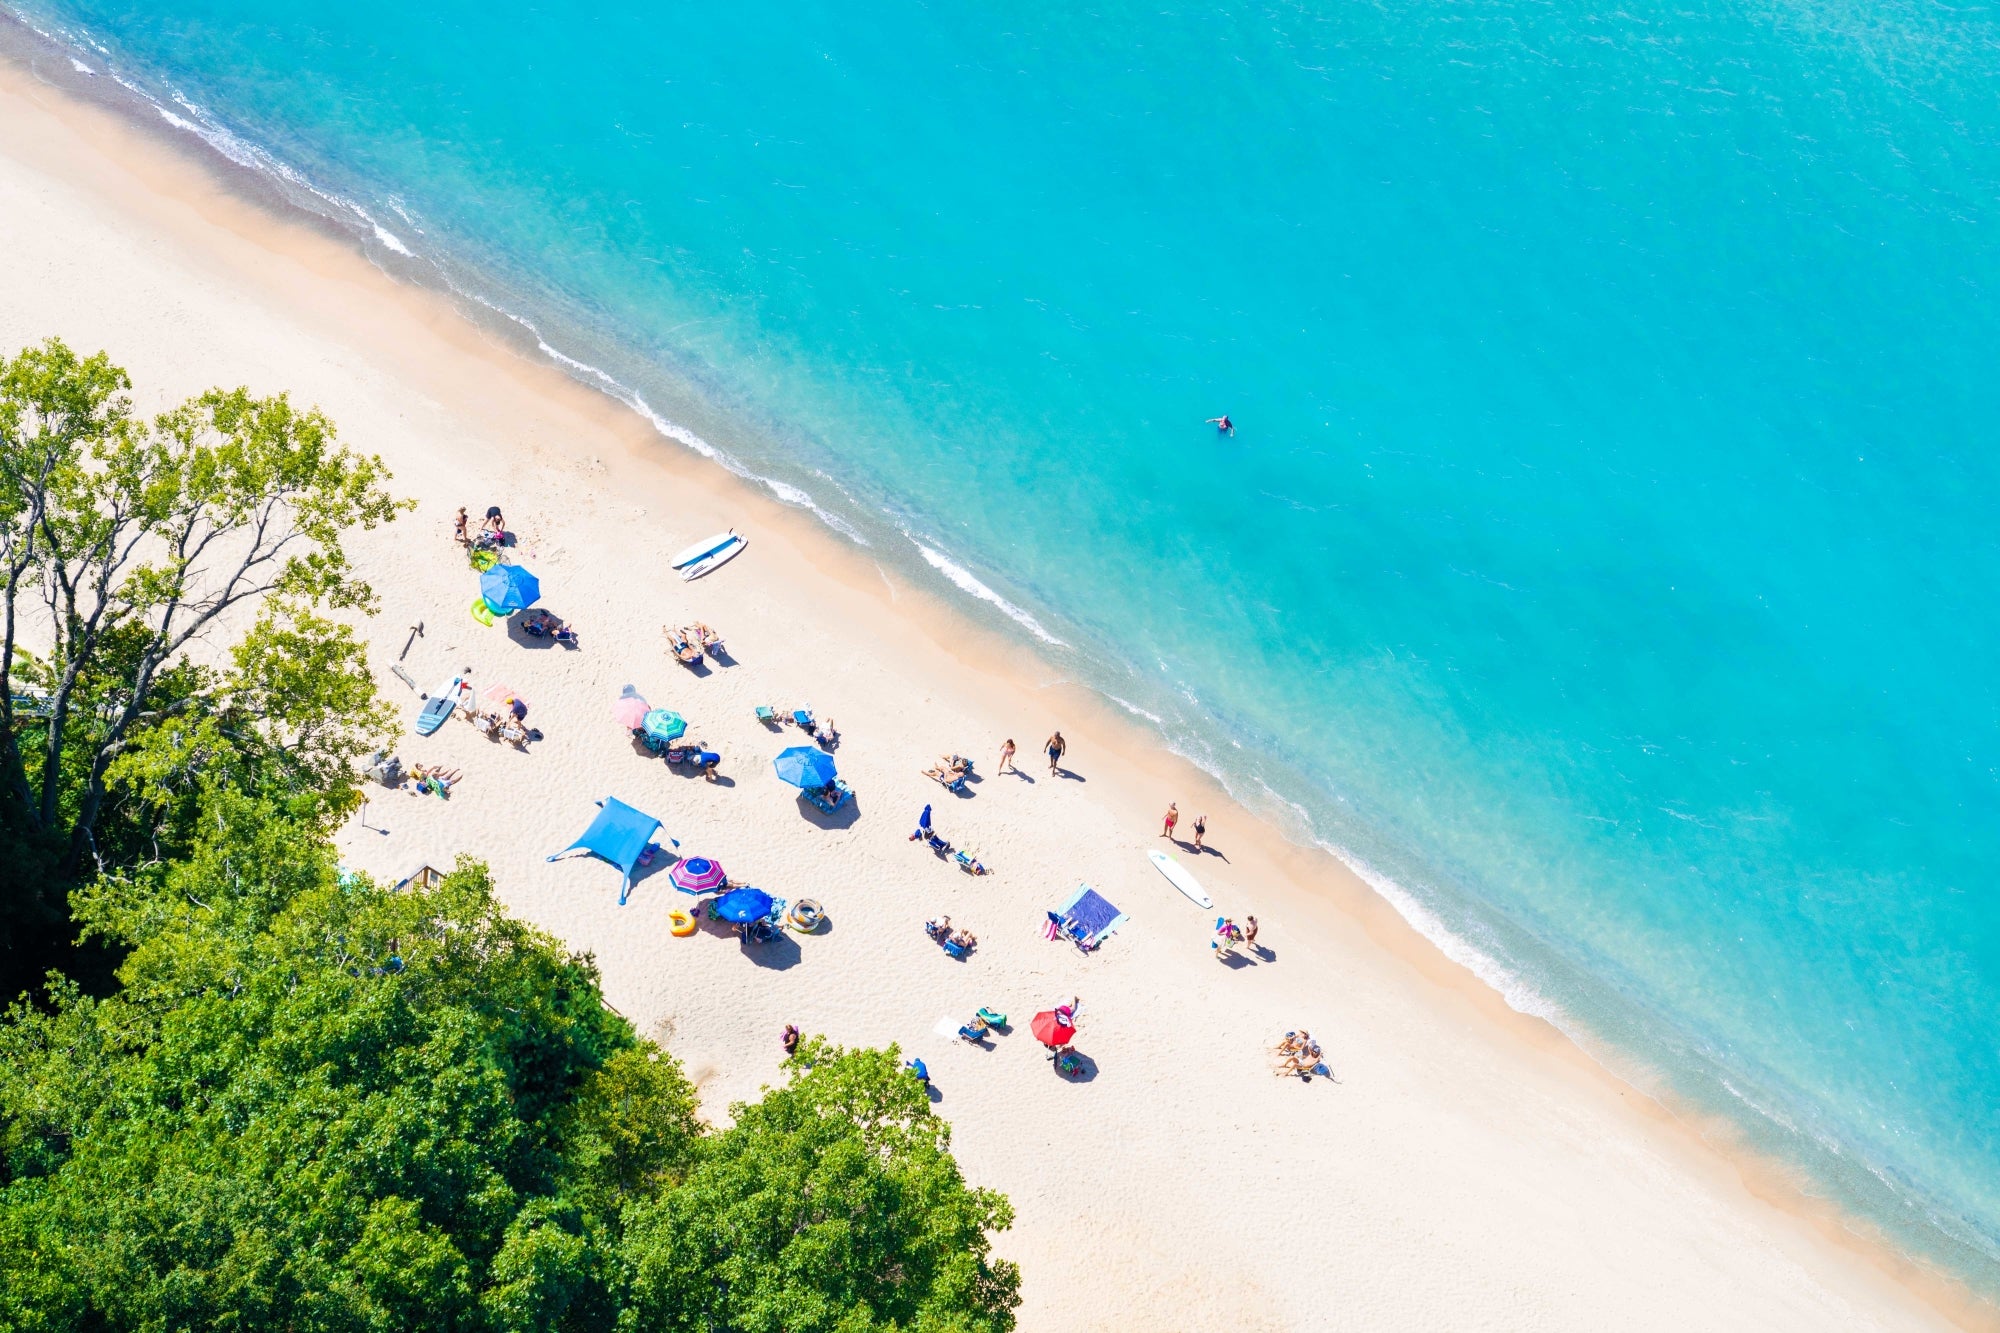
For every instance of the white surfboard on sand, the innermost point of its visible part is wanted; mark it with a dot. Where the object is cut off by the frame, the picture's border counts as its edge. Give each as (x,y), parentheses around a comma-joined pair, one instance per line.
(715,559)
(1178,876)
(706,546)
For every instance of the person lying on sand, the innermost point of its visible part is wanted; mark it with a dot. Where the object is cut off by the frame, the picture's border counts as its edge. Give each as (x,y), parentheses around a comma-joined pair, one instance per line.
(965,939)
(939,930)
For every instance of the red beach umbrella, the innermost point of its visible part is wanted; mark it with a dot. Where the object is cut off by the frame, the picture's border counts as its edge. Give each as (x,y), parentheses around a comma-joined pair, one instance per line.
(1050,1030)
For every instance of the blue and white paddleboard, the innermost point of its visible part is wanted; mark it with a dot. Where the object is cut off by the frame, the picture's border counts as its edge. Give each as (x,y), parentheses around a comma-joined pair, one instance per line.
(705,547)
(437,707)
(720,556)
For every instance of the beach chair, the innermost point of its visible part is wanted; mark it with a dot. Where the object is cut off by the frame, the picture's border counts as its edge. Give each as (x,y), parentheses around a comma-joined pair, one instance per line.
(514,734)
(969,863)
(769,716)
(991,1019)
(956,950)
(974,1032)
(1069,1064)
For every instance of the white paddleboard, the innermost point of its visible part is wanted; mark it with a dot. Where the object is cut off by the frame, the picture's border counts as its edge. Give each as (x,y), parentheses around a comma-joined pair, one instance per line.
(1177,875)
(706,546)
(715,559)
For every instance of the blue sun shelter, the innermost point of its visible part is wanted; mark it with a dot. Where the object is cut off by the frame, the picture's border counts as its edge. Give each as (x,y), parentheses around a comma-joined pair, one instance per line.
(619,835)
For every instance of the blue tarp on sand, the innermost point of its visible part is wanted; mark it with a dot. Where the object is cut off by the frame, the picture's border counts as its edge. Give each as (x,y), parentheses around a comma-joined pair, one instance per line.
(1092,913)
(619,834)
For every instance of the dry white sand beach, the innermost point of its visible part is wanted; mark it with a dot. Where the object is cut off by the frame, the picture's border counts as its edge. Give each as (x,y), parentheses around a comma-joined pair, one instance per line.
(1468,1168)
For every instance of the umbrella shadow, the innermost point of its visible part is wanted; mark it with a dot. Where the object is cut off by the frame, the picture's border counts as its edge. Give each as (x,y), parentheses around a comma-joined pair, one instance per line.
(1086,1068)
(841,816)
(779,953)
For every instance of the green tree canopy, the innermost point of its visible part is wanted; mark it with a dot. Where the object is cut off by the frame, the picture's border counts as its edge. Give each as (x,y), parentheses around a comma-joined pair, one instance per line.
(124,542)
(318,1105)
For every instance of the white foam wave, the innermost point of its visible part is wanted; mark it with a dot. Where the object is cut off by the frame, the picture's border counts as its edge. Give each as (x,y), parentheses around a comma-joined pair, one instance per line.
(967,582)
(389,238)
(81,68)
(632,398)
(1135,710)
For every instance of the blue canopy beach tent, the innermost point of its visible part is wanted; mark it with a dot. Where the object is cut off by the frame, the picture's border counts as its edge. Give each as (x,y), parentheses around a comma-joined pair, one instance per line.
(509,588)
(619,835)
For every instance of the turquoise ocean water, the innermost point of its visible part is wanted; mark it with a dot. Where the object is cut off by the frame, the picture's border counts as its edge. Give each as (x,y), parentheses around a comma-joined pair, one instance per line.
(1605,556)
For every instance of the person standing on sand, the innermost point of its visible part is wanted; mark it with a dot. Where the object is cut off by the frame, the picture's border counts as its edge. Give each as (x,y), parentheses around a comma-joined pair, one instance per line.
(1006,756)
(1173,818)
(1200,828)
(1250,932)
(459,530)
(1057,748)
(495,522)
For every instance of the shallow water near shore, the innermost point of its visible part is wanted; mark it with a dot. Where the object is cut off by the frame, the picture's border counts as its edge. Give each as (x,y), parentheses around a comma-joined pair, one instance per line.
(1604,552)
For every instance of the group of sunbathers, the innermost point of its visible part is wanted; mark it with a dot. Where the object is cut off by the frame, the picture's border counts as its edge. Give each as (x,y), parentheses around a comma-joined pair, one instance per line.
(937,842)
(941,934)
(1299,1056)
(951,769)
(542,624)
(433,778)
(689,642)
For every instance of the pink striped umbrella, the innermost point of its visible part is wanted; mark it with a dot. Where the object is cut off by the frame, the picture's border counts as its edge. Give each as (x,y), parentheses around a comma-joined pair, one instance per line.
(697,874)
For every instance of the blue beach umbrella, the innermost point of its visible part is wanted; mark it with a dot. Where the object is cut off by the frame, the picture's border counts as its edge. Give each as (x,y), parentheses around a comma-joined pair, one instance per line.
(804,766)
(741,905)
(509,588)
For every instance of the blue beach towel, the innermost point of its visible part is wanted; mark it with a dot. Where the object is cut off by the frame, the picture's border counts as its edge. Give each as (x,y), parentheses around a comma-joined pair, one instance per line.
(1091,913)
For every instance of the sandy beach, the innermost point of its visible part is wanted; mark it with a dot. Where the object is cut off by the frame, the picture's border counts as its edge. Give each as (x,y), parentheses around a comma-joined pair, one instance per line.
(1467,1167)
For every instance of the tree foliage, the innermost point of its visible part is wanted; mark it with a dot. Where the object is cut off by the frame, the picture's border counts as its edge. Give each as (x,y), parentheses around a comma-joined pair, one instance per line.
(317,1105)
(126,545)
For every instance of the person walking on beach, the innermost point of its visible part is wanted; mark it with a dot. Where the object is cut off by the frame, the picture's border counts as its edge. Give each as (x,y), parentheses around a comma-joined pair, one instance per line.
(1249,932)
(1200,828)
(1057,747)
(459,531)
(1173,818)
(1006,757)
(1223,425)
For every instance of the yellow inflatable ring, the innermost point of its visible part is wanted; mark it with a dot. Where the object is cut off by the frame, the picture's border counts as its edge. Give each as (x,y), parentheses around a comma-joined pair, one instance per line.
(481,612)
(805,916)
(680,923)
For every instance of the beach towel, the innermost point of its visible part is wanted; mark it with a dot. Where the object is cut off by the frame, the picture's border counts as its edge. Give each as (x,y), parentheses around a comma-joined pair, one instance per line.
(1091,914)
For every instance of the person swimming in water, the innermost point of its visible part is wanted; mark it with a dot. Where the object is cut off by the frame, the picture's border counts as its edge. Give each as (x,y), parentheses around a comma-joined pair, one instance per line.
(1223,425)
